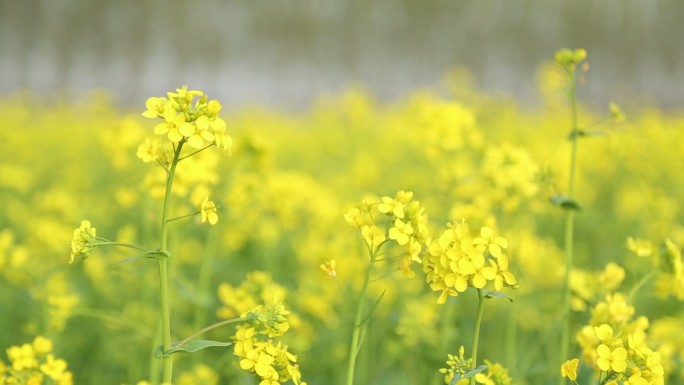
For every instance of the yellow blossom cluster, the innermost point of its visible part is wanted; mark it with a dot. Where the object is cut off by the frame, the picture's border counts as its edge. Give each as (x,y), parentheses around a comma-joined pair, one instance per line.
(197,124)
(406,225)
(83,241)
(666,260)
(259,352)
(257,288)
(622,356)
(458,260)
(34,364)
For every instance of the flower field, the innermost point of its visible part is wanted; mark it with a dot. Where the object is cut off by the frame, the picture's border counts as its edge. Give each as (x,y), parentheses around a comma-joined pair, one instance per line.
(447,237)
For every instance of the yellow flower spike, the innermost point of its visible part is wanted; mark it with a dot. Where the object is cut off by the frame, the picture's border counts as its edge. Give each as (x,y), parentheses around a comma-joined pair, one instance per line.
(569,369)
(570,58)
(82,242)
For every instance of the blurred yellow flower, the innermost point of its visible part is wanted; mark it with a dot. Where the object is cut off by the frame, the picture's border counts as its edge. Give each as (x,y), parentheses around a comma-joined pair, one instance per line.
(208,211)
(569,369)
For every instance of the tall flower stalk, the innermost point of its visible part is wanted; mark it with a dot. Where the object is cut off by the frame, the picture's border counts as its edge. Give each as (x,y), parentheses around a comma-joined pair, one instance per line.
(406,226)
(185,124)
(568,60)
(165,297)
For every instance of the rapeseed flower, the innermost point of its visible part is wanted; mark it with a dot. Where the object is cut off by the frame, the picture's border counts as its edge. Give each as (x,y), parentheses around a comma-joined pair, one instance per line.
(611,359)
(208,211)
(569,369)
(83,241)
(197,124)
(457,260)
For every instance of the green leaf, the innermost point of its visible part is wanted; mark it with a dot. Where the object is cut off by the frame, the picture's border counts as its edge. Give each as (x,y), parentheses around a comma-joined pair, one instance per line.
(497,295)
(158,254)
(190,347)
(580,133)
(134,259)
(565,203)
(468,374)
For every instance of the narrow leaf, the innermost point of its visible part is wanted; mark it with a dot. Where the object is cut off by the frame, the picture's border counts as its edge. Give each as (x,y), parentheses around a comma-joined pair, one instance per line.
(565,203)
(190,347)
(133,259)
(158,254)
(475,371)
(497,295)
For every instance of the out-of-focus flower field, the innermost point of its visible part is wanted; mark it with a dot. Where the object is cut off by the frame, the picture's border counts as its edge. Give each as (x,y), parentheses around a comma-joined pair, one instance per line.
(282,195)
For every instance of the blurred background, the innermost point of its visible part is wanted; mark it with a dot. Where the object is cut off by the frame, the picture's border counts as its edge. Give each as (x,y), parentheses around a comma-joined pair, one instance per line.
(286,53)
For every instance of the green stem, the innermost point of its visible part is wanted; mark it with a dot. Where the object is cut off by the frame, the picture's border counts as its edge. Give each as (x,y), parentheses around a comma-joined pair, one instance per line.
(640,284)
(208,328)
(120,244)
(165,297)
(183,216)
(476,332)
(356,334)
(569,226)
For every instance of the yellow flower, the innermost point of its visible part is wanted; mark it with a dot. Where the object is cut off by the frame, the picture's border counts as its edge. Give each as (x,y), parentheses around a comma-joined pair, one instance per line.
(391,206)
(569,369)
(636,379)
(174,125)
(372,235)
(208,211)
(155,107)
(401,231)
(487,241)
(149,150)
(329,268)
(82,243)
(54,368)
(22,357)
(503,276)
(615,360)
(604,333)
(244,338)
(640,247)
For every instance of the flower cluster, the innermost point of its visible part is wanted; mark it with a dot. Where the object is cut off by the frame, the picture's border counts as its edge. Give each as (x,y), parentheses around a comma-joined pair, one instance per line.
(590,287)
(33,364)
(83,242)
(406,224)
(456,365)
(258,287)
(496,374)
(667,260)
(259,353)
(568,58)
(196,123)
(457,260)
(623,356)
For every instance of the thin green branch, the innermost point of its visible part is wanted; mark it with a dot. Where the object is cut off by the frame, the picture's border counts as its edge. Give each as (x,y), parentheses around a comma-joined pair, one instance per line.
(196,152)
(209,328)
(476,332)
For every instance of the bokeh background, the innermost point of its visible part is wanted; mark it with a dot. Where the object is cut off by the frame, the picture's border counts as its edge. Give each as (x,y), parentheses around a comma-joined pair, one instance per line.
(286,53)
